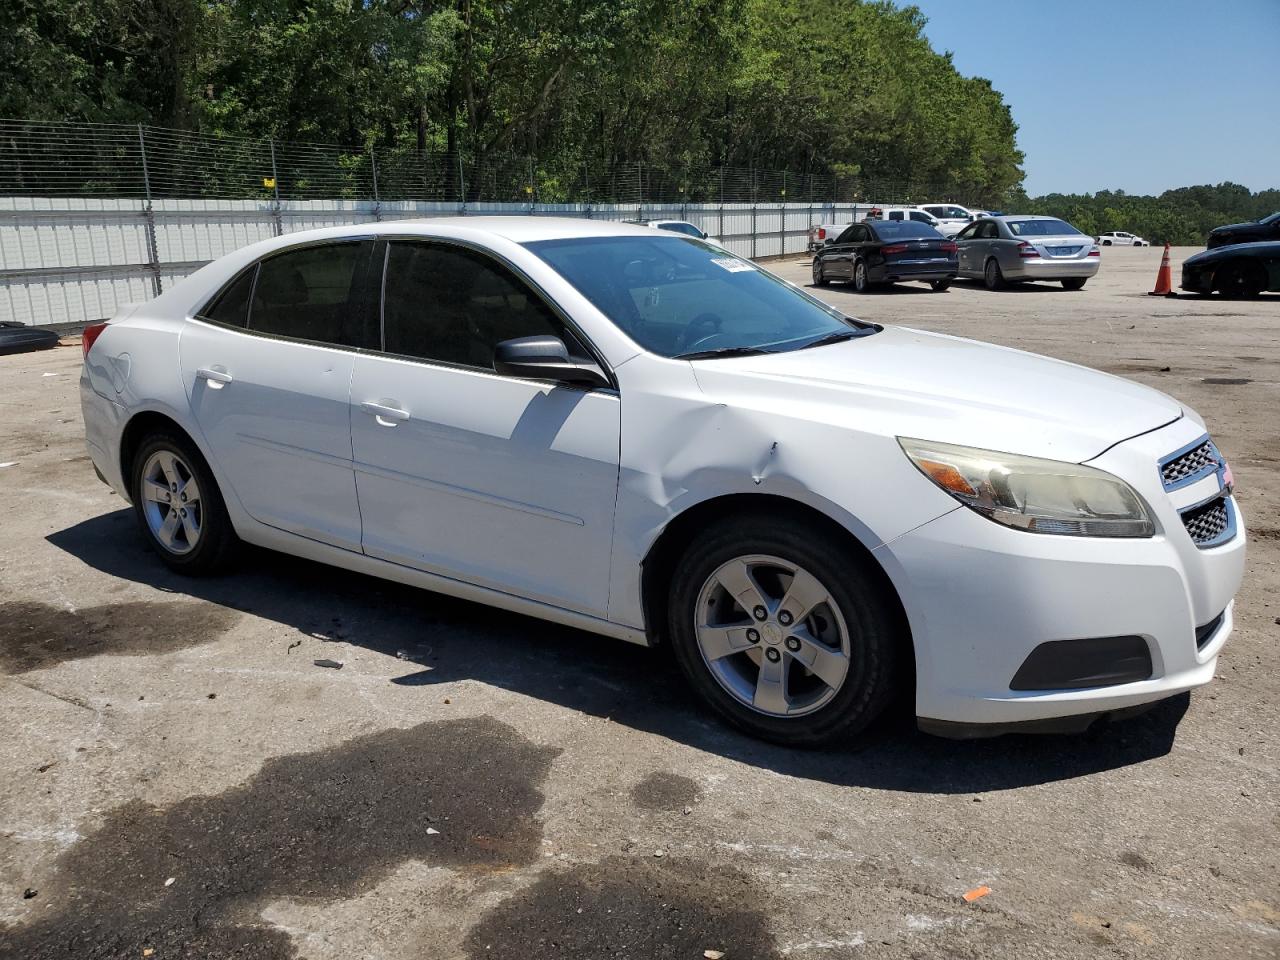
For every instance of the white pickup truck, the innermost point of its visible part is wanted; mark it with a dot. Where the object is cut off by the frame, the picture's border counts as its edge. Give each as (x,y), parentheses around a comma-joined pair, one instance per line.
(952,218)
(1118,238)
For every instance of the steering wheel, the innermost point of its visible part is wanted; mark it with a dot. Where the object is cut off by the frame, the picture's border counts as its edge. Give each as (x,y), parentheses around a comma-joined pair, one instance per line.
(694,334)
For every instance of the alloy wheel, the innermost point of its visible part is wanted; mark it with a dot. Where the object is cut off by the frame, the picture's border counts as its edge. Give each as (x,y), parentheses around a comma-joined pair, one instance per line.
(171,502)
(772,636)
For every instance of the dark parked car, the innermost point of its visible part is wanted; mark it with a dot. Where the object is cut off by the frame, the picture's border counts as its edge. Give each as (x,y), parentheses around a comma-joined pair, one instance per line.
(1268,228)
(19,338)
(886,251)
(1239,270)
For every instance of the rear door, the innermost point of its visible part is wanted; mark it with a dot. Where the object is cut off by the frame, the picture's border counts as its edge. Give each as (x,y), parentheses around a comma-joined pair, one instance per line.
(267,370)
(504,482)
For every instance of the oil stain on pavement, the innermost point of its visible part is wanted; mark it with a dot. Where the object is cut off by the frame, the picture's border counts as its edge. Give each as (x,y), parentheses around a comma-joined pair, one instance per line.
(37,635)
(630,909)
(462,793)
(665,791)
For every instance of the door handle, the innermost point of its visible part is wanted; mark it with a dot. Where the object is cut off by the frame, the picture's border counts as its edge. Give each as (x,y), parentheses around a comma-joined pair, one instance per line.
(387,416)
(216,376)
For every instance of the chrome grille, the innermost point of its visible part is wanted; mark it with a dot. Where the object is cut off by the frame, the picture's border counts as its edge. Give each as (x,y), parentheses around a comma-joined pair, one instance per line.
(1199,461)
(1208,523)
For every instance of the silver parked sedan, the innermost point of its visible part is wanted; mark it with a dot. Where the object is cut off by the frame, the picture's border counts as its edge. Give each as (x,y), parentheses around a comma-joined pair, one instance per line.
(1011,249)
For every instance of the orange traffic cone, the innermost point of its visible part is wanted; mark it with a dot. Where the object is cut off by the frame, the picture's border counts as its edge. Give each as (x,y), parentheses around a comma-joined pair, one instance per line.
(1164,279)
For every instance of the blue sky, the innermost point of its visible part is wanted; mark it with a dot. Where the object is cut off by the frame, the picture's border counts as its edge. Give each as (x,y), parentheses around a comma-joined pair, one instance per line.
(1136,95)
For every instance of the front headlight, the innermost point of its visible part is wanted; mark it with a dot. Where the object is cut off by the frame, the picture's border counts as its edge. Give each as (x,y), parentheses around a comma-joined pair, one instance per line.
(1040,496)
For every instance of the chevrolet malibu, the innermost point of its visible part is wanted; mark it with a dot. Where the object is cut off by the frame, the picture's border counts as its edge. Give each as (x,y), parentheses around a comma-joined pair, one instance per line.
(638,434)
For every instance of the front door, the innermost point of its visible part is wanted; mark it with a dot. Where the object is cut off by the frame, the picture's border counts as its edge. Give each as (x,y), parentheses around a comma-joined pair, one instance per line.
(494,480)
(267,370)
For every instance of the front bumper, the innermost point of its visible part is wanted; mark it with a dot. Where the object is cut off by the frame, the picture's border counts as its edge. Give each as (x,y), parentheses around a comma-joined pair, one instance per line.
(1029,268)
(980,597)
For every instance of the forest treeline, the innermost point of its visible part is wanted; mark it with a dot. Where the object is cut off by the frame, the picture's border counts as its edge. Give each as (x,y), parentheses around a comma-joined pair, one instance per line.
(846,88)
(1182,217)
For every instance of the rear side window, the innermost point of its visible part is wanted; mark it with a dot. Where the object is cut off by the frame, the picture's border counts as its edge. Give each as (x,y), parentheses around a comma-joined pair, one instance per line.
(454,305)
(316,294)
(232,305)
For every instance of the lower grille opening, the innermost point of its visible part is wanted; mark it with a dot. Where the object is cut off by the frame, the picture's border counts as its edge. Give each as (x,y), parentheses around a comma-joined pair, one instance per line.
(1077,664)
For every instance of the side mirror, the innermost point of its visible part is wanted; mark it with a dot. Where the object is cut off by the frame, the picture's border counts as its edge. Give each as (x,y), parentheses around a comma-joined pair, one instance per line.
(545,358)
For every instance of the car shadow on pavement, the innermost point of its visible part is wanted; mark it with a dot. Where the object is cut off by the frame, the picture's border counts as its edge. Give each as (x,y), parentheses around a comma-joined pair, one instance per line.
(438,640)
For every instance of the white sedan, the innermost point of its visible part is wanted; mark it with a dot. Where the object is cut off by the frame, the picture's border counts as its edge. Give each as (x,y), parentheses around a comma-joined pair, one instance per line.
(1118,238)
(635,433)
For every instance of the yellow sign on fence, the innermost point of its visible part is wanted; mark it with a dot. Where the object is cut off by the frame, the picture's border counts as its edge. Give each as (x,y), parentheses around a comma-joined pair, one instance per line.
(269,182)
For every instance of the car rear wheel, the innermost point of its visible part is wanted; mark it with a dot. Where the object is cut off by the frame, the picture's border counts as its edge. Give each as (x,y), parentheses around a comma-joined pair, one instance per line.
(1106,243)
(940,286)
(1241,279)
(179,506)
(780,629)
(819,277)
(992,276)
(860,281)
(1074,283)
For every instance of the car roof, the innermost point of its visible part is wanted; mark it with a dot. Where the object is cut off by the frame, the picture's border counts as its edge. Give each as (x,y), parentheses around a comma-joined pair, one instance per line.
(523,229)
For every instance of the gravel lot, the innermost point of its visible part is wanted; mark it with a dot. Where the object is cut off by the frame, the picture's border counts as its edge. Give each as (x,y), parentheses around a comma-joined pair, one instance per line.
(177,774)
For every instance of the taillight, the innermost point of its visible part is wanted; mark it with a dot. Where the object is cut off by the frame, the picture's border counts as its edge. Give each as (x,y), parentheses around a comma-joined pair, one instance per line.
(949,247)
(1095,252)
(1026,250)
(894,248)
(822,233)
(91,334)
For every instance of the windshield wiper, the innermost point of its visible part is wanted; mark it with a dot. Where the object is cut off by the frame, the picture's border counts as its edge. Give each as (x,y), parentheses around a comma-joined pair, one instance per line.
(839,336)
(722,352)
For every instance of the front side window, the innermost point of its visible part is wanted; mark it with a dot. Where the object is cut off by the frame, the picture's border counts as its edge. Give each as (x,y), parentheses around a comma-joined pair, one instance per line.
(454,305)
(316,294)
(969,232)
(677,296)
(1049,227)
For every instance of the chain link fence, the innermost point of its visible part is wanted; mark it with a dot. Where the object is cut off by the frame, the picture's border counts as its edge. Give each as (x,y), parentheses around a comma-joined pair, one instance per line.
(93,216)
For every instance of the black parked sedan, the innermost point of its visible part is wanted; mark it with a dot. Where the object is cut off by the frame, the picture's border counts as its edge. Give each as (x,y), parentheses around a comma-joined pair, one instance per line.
(1268,228)
(1239,270)
(886,251)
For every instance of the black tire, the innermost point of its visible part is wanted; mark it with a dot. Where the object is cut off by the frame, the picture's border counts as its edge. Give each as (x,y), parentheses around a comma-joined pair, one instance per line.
(940,286)
(874,627)
(1240,280)
(992,275)
(1106,243)
(860,282)
(217,543)
(819,276)
(1074,283)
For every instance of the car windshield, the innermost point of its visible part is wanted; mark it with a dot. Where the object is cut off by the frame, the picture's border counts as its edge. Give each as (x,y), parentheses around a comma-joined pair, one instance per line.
(904,230)
(1040,228)
(679,297)
(679,226)
(953,213)
(1274,218)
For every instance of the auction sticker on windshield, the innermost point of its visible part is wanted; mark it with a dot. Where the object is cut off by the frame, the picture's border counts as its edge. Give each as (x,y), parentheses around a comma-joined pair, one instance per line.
(732,264)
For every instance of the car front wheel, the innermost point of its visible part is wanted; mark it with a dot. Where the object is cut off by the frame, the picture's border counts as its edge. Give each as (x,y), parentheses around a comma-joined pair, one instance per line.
(179,507)
(940,286)
(819,277)
(780,628)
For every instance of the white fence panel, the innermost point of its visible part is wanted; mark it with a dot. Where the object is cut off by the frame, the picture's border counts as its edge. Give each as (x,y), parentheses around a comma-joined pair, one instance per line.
(77,260)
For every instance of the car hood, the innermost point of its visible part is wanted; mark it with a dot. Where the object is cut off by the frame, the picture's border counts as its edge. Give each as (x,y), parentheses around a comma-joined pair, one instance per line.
(912,383)
(1234,227)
